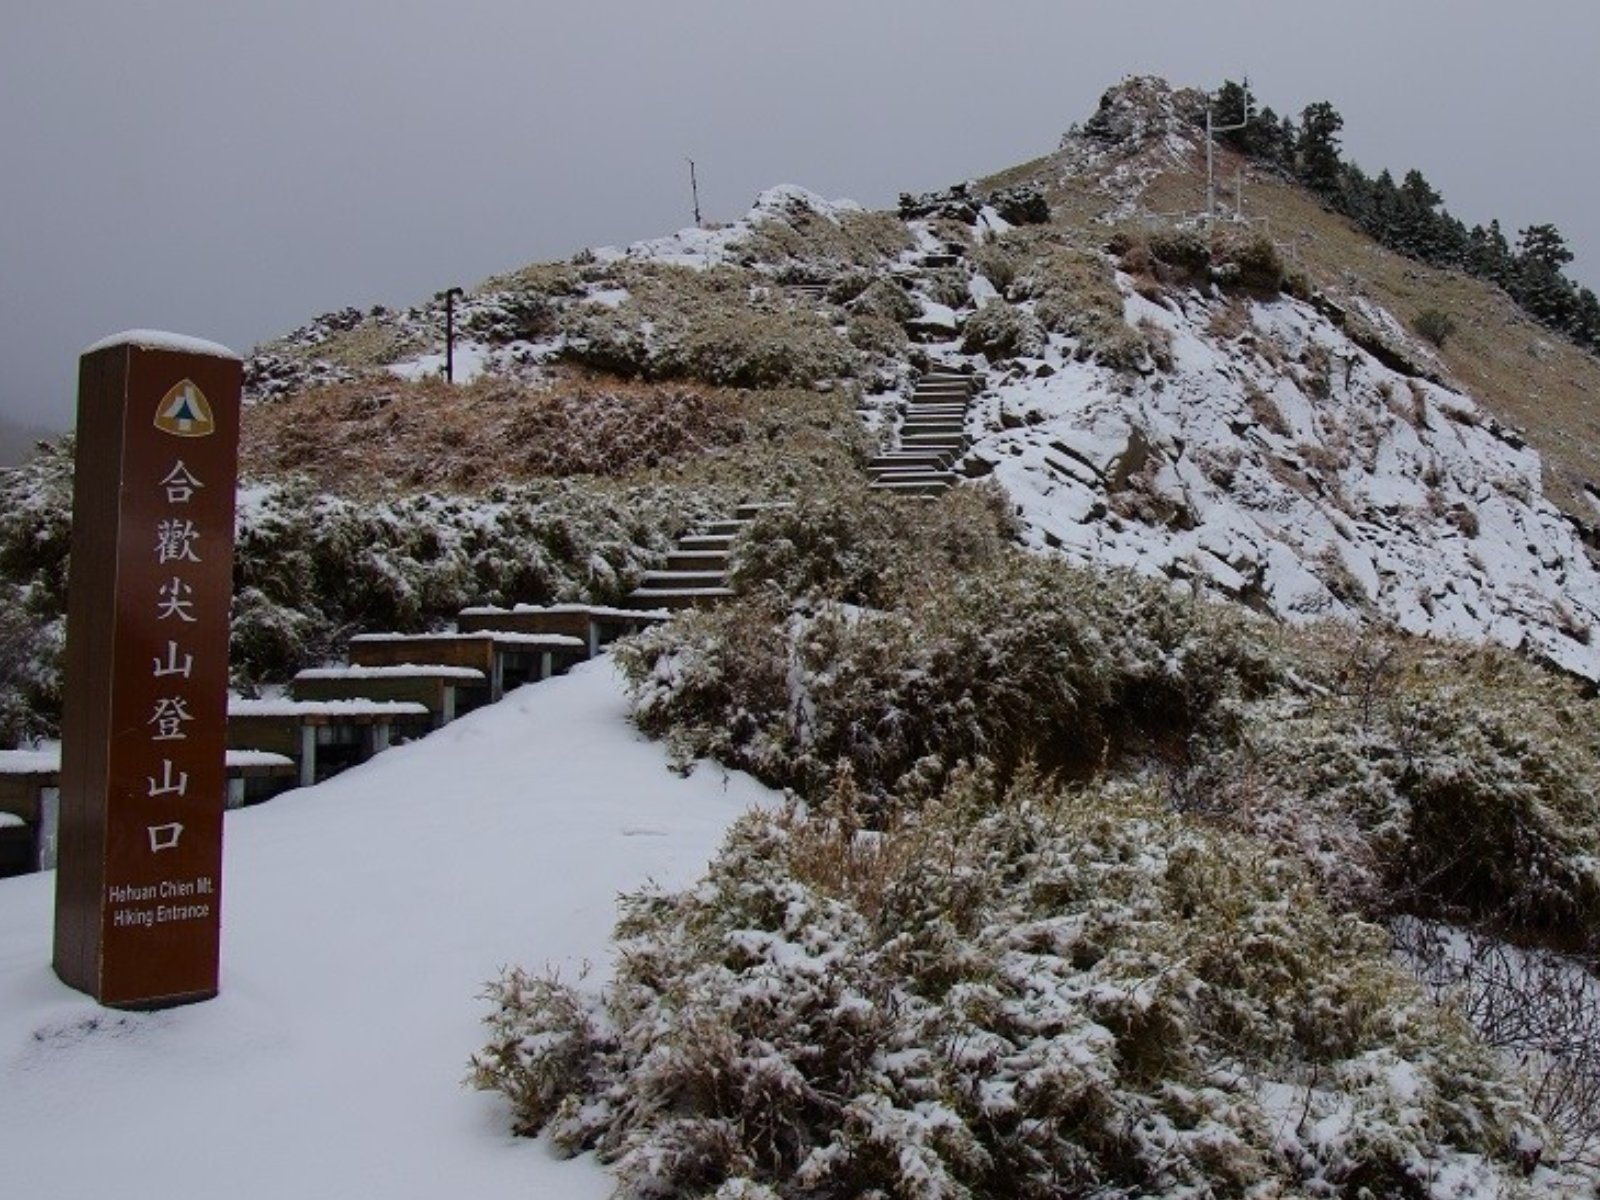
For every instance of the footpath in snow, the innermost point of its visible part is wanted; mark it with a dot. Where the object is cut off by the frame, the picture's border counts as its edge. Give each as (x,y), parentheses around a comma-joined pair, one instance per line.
(361,918)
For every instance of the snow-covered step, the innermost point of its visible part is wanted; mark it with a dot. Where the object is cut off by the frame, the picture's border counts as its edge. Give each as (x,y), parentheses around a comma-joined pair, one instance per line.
(731,528)
(912,487)
(684,579)
(678,598)
(697,560)
(943,478)
(938,441)
(751,509)
(706,541)
(931,460)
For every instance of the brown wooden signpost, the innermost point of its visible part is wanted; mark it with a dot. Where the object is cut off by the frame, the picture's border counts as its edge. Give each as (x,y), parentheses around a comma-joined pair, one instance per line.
(138,882)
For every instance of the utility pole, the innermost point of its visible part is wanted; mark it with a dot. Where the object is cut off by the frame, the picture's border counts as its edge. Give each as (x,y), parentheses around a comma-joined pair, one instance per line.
(450,333)
(1211,182)
(694,190)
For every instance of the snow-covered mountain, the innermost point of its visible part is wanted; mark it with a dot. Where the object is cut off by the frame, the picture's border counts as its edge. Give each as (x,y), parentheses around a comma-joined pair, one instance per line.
(1294,447)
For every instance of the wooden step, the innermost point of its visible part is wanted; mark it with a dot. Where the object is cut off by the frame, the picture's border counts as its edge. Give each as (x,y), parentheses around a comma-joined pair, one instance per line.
(673,580)
(932,460)
(751,509)
(677,599)
(912,487)
(697,560)
(706,541)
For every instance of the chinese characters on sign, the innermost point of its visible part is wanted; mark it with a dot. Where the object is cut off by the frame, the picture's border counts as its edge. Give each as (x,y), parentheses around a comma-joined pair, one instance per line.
(143,778)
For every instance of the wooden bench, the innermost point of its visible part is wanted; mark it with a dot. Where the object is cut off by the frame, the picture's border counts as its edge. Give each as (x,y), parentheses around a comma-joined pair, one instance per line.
(30,782)
(30,796)
(322,736)
(595,625)
(506,658)
(444,691)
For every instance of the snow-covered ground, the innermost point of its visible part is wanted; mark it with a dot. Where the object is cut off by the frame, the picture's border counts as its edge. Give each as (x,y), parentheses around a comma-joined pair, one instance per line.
(360,920)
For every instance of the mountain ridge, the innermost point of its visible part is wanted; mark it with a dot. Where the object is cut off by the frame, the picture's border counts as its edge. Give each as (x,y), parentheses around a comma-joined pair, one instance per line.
(1407,463)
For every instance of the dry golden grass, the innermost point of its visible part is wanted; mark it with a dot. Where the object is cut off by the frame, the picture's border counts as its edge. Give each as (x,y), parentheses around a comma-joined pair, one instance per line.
(381,434)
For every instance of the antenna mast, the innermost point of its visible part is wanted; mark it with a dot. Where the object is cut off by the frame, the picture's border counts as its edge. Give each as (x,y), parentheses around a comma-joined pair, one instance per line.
(694,191)
(1211,180)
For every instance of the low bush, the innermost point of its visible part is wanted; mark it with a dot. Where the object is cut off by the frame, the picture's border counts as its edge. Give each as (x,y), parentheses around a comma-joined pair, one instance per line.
(1013,993)
(850,544)
(823,244)
(1434,325)
(1249,261)
(1001,331)
(680,323)
(1432,779)
(312,568)
(887,300)
(1014,659)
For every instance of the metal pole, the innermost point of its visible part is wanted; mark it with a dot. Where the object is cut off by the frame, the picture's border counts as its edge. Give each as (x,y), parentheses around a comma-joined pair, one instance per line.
(1211,188)
(450,333)
(694,190)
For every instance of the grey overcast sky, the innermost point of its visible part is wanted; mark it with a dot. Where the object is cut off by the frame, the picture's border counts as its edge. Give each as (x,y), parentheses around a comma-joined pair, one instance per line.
(231,168)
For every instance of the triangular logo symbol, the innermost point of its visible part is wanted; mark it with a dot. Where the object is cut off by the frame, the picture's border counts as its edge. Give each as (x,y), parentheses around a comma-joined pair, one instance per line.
(185,412)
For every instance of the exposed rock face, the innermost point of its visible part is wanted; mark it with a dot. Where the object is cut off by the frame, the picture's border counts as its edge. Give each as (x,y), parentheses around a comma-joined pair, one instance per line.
(1140,110)
(1288,467)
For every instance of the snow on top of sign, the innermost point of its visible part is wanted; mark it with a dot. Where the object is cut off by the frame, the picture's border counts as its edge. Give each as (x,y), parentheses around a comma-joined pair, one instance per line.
(399,671)
(155,339)
(11,821)
(324,708)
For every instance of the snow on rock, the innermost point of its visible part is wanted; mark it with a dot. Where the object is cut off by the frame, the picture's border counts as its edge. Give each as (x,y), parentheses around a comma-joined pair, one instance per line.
(709,247)
(1288,468)
(361,918)
(789,201)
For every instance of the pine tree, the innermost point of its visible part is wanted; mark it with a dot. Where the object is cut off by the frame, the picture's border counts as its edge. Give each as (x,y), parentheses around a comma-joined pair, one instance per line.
(1538,283)
(1317,150)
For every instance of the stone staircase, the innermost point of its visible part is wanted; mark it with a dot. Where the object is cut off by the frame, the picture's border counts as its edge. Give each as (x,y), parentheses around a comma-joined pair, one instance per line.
(931,438)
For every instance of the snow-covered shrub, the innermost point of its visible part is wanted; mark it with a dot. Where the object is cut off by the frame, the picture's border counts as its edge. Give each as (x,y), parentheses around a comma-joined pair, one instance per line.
(679,323)
(946,286)
(820,244)
(510,316)
(878,336)
(1000,331)
(1431,778)
(1249,261)
(848,543)
(999,263)
(311,567)
(886,299)
(1018,658)
(35,538)
(1013,993)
